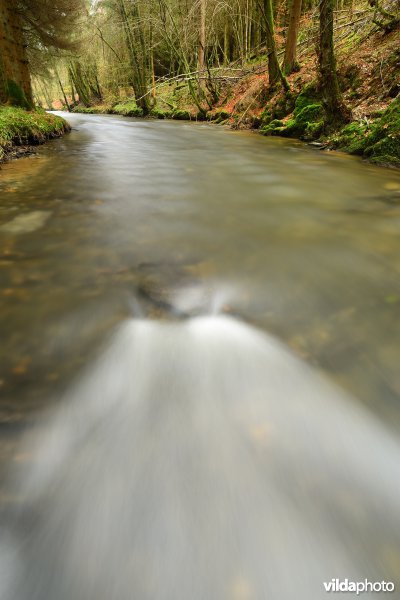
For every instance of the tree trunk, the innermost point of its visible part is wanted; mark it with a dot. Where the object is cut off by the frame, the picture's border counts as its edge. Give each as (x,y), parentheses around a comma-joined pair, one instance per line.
(275,74)
(328,81)
(289,61)
(137,58)
(62,91)
(202,36)
(15,82)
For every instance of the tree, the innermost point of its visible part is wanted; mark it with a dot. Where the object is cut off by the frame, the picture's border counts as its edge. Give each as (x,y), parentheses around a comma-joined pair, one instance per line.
(28,27)
(289,62)
(15,83)
(275,74)
(328,81)
(202,35)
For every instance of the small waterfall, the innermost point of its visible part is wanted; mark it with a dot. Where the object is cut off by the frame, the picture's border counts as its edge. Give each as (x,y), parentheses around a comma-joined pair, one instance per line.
(200,460)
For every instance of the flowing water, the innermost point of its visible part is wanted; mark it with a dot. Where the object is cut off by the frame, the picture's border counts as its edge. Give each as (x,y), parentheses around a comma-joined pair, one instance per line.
(172,447)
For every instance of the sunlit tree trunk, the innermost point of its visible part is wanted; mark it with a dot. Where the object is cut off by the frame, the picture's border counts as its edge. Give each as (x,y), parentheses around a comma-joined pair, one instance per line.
(289,61)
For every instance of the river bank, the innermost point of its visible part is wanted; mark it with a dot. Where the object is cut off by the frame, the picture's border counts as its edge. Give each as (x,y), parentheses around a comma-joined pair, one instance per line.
(239,95)
(21,129)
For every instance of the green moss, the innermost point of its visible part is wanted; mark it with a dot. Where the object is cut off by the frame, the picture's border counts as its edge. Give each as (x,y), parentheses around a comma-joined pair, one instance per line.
(275,127)
(100,109)
(378,140)
(308,96)
(307,119)
(19,127)
(158,113)
(181,115)
(219,116)
(16,96)
(307,122)
(127,109)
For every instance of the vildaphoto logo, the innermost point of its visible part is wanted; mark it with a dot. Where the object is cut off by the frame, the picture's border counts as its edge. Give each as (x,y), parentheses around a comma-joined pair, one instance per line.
(359,587)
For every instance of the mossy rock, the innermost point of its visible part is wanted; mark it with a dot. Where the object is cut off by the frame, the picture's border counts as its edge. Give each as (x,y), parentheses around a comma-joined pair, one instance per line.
(266,117)
(158,113)
(283,107)
(308,96)
(87,110)
(307,122)
(181,115)
(351,137)
(379,141)
(275,127)
(127,109)
(218,116)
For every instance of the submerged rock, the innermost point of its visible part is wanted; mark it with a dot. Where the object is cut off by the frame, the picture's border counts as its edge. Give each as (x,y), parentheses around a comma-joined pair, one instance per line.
(26,223)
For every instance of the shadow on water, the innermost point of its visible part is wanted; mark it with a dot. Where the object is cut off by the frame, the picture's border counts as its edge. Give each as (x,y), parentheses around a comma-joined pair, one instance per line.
(201,459)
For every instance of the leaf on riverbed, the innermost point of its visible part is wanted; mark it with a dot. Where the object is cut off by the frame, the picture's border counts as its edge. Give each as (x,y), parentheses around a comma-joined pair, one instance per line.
(22,367)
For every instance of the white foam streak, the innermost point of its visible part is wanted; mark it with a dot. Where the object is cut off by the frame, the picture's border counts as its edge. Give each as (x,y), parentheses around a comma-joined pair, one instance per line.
(202,460)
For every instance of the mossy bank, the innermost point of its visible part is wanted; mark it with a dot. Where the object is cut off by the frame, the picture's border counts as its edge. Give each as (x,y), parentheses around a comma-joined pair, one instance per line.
(21,129)
(369,80)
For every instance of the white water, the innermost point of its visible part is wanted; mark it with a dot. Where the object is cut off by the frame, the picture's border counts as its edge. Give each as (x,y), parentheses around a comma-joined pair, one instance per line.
(201,460)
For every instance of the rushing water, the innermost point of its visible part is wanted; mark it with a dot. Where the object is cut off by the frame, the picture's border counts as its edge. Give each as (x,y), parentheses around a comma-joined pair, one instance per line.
(197,457)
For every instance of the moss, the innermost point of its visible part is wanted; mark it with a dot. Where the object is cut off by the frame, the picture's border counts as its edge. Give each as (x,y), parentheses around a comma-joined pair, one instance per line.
(351,137)
(308,96)
(307,120)
(307,124)
(87,110)
(19,127)
(283,107)
(181,115)
(275,127)
(158,113)
(378,140)
(16,96)
(218,116)
(265,117)
(127,109)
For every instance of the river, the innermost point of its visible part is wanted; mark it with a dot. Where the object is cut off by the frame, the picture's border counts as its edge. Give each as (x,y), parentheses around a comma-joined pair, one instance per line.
(132,255)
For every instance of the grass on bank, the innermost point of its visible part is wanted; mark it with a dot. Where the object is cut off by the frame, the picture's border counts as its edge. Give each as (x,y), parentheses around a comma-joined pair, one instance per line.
(21,128)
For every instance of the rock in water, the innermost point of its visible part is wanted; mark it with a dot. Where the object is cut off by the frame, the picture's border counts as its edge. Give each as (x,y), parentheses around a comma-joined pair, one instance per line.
(26,223)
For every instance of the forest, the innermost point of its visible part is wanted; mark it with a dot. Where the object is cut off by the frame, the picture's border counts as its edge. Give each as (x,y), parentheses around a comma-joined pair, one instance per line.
(326,72)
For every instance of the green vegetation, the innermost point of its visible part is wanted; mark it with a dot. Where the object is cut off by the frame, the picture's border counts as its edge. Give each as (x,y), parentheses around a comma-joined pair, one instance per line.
(16,96)
(379,141)
(307,120)
(128,109)
(19,127)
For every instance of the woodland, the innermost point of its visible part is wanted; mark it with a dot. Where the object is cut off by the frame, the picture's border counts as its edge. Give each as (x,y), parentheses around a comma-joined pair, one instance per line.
(326,72)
